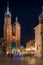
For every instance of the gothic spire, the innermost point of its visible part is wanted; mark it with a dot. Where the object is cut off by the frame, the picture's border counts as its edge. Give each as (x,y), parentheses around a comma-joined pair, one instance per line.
(7,12)
(16,21)
(8,8)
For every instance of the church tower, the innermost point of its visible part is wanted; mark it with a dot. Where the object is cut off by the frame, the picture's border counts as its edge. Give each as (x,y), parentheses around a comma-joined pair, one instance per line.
(7,30)
(39,36)
(17,32)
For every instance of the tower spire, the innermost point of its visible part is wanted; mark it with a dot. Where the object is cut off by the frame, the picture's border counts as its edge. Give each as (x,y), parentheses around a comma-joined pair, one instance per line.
(7,12)
(16,21)
(7,7)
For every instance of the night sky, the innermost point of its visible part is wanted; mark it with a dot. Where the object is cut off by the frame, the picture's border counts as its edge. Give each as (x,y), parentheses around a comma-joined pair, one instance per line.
(27,12)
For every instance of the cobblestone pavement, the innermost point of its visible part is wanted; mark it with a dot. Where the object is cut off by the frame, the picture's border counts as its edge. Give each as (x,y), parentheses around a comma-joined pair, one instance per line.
(21,61)
(6,61)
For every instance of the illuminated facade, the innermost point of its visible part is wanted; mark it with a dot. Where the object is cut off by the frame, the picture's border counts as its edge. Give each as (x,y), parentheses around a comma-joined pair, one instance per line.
(9,30)
(30,43)
(39,36)
(16,31)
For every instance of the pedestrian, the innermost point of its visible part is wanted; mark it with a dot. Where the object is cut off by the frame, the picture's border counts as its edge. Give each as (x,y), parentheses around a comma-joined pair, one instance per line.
(11,55)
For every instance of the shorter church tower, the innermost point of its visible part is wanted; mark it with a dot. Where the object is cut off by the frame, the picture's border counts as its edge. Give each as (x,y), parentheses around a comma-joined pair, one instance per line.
(17,31)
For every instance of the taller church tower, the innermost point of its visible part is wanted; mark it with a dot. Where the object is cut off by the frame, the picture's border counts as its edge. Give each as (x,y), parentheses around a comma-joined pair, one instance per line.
(8,30)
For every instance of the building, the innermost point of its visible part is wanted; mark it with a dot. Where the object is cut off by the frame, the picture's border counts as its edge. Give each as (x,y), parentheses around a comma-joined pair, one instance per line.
(30,43)
(9,32)
(39,36)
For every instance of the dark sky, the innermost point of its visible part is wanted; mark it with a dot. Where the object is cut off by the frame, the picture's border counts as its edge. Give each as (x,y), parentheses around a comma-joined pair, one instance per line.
(27,12)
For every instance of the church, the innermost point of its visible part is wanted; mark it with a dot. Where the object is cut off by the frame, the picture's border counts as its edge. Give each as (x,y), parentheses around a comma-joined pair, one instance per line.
(12,33)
